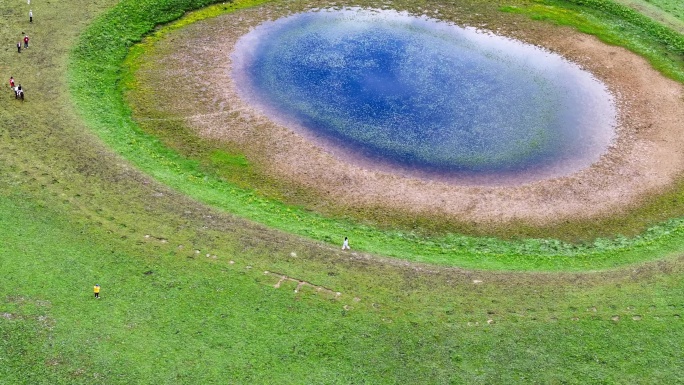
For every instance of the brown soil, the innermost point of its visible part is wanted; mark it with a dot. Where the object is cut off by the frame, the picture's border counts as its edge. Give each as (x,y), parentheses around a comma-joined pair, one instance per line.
(192,72)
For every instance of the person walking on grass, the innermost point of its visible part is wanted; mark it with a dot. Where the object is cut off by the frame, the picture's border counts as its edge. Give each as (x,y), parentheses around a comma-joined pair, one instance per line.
(30,16)
(18,47)
(11,82)
(345,244)
(96,290)
(26,40)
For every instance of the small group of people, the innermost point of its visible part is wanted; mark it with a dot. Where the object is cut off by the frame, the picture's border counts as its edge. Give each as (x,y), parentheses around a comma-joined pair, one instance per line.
(18,91)
(26,43)
(16,88)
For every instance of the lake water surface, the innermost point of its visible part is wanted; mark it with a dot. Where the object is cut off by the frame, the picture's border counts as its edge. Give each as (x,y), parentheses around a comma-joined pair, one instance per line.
(423,93)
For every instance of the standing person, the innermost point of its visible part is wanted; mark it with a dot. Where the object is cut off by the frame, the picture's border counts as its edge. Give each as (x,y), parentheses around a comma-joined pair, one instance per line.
(18,47)
(30,15)
(345,244)
(26,40)
(11,82)
(96,290)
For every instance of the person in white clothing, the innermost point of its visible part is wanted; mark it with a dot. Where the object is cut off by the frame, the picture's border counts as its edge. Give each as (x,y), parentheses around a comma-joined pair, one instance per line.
(345,244)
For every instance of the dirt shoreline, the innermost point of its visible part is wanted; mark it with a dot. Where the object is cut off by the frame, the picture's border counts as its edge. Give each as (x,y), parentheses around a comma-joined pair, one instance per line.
(646,157)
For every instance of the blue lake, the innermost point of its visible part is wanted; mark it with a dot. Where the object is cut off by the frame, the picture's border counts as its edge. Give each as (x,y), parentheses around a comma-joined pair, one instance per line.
(423,93)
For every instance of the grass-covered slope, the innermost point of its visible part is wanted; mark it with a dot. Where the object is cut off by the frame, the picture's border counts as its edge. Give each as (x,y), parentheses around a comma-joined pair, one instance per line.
(175,310)
(667,12)
(170,316)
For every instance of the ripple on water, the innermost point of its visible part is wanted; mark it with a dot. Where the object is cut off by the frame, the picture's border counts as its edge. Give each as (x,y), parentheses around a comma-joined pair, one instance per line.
(424,93)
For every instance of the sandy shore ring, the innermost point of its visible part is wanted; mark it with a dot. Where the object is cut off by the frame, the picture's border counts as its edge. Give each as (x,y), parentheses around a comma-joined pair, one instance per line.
(646,157)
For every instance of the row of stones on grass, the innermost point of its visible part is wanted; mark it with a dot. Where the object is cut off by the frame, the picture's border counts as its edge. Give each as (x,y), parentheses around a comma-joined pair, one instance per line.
(299,284)
(613,318)
(521,316)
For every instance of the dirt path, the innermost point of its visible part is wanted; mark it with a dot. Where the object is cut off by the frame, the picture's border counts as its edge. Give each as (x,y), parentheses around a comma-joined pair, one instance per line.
(646,157)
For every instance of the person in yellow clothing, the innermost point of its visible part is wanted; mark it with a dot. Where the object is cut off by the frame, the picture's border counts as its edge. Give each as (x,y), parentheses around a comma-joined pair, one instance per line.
(96,290)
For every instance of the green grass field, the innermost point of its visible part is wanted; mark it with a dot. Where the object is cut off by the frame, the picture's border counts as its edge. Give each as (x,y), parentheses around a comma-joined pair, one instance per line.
(200,289)
(668,12)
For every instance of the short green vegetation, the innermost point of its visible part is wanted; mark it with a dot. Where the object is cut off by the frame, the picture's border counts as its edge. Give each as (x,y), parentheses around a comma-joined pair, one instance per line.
(668,12)
(673,7)
(170,315)
(616,24)
(193,294)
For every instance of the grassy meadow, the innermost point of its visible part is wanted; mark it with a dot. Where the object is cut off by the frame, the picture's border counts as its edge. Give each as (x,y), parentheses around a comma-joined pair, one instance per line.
(668,12)
(207,281)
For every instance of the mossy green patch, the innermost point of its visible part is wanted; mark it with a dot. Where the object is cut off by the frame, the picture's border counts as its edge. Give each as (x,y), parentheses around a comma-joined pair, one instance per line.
(223,159)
